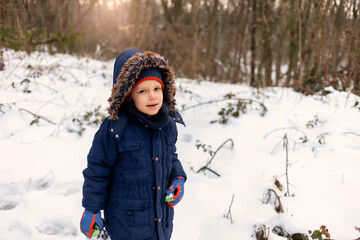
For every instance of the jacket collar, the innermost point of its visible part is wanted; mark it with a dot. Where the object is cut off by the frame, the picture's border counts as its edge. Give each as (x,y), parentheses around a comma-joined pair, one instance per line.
(156,122)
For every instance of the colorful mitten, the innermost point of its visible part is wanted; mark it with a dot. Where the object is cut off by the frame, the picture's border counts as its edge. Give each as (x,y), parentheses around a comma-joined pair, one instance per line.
(175,192)
(88,221)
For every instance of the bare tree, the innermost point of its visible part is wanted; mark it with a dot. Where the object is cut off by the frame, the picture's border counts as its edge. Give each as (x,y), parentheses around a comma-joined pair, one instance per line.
(266,16)
(253,80)
(316,42)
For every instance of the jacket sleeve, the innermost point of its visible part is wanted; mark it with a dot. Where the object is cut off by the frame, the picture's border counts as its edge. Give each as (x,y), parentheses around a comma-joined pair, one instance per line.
(177,169)
(97,175)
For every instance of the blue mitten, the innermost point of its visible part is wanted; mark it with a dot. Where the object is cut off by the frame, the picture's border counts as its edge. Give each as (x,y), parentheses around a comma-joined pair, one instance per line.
(175,192)
(88,221)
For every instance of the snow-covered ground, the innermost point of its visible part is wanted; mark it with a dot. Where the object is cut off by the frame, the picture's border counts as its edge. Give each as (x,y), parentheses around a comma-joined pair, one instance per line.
(44,140)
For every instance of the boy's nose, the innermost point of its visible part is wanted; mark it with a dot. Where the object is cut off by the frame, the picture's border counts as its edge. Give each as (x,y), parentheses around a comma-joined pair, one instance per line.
(151,95)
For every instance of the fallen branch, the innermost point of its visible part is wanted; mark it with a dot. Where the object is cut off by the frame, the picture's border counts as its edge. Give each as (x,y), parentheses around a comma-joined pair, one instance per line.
(37,116)
(243,100)
(206,167)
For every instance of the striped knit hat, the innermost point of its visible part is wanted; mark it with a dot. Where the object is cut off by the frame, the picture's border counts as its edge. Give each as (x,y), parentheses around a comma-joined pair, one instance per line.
(150,74)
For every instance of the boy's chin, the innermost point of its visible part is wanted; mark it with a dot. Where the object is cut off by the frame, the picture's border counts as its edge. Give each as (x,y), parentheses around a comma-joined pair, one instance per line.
(151,114)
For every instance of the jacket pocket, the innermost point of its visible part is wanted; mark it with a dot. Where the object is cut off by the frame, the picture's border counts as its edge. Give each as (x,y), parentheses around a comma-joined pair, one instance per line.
(130,218)
(131,155)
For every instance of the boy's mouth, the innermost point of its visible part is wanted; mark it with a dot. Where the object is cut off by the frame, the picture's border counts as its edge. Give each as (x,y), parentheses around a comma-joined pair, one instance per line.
(152,105)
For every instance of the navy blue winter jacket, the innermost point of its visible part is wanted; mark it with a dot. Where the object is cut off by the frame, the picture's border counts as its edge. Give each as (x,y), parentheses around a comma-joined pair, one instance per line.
(129,169)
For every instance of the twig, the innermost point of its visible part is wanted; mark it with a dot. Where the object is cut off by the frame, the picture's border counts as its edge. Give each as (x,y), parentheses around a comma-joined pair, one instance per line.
(323,134)
(37,116)
(229,211)
(286,142)
(276,147)
(262,233)
(267,232)
(352,133)
(46,86)
(280,208)
(7,77)
(213,156)
(278,129)
(207,168)
(321,138)
(192,94)
(226,99)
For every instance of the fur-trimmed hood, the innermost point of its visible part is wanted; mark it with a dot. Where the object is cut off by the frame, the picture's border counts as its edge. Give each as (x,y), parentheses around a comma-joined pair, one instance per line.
(127,68)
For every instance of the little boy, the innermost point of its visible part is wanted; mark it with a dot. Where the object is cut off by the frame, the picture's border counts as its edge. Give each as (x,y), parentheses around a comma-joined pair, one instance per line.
(132,164)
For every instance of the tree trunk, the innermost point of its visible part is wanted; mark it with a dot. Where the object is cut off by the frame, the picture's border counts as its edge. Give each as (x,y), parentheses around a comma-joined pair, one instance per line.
(2,64)
(146,23)
(18,18)
(267,55)
(292,51)
(279,44)
(253,81)
(354,61)
(321,41)
(194,21)
(300,71)
(2,22)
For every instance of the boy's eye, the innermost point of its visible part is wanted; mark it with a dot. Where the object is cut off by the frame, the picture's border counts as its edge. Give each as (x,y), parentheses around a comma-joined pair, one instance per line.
(158,88)
(142,91)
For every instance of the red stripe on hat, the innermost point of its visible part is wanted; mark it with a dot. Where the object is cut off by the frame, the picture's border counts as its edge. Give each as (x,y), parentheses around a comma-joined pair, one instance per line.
(149,78)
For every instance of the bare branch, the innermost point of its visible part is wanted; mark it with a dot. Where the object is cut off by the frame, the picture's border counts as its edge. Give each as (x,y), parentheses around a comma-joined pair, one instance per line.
(286,143)
(351,133)
(243,100)
(284,128)
(37,116)
(206,167)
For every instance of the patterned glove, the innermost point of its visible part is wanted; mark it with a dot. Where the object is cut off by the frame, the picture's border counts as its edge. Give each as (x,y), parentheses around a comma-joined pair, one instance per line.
(88,221)
(175,192)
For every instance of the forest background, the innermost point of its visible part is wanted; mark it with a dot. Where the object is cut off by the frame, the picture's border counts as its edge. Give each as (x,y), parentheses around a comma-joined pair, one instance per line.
(306,45)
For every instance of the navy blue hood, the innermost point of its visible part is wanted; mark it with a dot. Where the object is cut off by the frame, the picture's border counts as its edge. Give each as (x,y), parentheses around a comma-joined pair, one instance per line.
(121,60)
(127,69)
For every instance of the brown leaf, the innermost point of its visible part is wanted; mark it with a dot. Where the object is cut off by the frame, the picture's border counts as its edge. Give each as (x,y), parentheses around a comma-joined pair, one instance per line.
(278,184)
(325,231)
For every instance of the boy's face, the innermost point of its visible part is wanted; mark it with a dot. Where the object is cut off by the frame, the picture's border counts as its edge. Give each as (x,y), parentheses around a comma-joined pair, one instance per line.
(148,97)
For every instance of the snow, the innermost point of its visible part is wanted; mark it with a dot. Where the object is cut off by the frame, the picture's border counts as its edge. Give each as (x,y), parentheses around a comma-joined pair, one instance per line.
(42,163)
